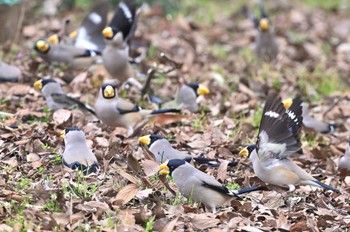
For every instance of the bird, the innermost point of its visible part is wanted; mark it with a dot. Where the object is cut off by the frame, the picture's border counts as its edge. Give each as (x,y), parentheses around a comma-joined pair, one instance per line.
(186,97)
(266,46)
(116,112)
(311,122)
(199,186)
(88,35)
(278,139)
(344,162)
(76,58)
(121,28)
(56,98)
(9,72)
(163,151)
(77,155)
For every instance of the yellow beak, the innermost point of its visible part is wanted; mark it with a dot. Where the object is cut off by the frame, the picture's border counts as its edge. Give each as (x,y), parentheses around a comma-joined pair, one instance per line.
(244,152)
(202,90)
(108,92)
(54,39)
(145,140)
(42,45)
(63,133)
(108,33)
(38,85)
(287,103)
(264,24)
(73,34)
(164,168)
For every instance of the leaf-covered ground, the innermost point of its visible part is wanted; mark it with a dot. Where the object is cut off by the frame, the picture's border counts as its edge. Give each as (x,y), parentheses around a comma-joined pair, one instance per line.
(214,44)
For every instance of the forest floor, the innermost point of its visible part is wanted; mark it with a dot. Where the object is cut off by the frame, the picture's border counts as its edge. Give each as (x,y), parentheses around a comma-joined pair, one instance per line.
(213,42)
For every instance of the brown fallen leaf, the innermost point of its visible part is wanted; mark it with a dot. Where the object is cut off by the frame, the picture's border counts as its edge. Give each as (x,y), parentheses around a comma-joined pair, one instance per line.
(222,171)
(203,222)
(169,227)
(126,194)
(61,116)
(150,167)
(165,119)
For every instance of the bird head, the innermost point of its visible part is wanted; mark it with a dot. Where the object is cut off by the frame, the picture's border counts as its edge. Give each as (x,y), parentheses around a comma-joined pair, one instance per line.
(39,84)
(73,35)
(42,46)
(264,24)
(148,140)
(169,166)
(109,90)
(54,39)
(108,33)
(247,150)
(199,89)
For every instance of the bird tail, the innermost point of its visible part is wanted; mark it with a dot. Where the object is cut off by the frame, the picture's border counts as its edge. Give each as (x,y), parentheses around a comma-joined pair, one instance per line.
(163,111)
(249,189)
(319,183)
(212,162)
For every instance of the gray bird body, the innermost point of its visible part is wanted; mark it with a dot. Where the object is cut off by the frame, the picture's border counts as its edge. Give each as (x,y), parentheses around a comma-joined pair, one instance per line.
(313,123)
(187,98)
(163,151)
(76,151)
(266,46)
(344,162)
(55,97)
(9,72)
(193,183)
(116,58)
(48,90)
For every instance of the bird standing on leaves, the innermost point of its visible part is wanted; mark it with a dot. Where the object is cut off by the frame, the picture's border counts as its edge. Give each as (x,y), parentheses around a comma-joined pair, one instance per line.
(163,151)
(121,28)
(76,58)
(266,46)
(187,96)
(9,72)
(56,99)
(116,112)
(344,162)
(77,155)
(199,186)
(278,139)
(311,122)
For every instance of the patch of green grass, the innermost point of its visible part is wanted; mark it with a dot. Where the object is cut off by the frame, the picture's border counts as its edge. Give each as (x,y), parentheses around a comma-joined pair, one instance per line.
(151,52)
(160,79)
(52,205)
(150,224)
(232,186)
(198,122)
(219,51)
(24,182)
(328,5)
(4,101)
(81,188)
(257,116)
(248,55)
(296,38)
(57,159)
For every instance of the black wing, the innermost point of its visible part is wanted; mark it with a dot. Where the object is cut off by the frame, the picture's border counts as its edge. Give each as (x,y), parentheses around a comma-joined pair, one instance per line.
(219,188)
(135,109)
(124,19)
(275,123)
(295,118)
(65,99)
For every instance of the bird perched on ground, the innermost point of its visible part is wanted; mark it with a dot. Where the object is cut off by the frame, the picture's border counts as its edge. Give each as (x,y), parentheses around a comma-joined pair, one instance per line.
(163,151)
(344,162)
(266,46)
(77,58)
(278,139)
(121,28)
(116,112)
(201,187)
(9,72)
(77,154)
(186,97)
(88,35)
(309,121)
(56,99)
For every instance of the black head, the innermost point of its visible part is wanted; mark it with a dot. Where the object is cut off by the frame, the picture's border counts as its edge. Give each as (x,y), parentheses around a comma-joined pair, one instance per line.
(250,149)
(153,138)
(109,90)
(46,81)
(175,163)
(195,87)
(68,129)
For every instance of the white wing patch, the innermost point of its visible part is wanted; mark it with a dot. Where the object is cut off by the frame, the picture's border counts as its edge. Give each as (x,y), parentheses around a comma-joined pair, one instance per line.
(126,11)
(272,114)
(95,18)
